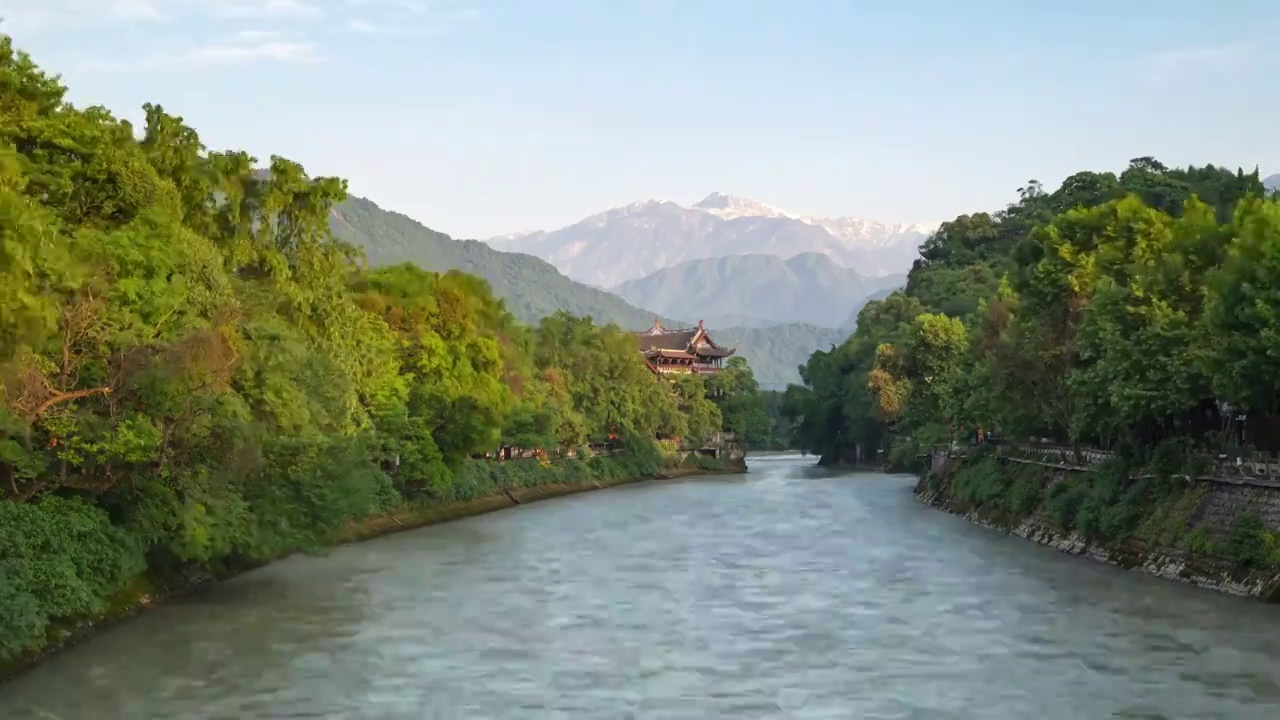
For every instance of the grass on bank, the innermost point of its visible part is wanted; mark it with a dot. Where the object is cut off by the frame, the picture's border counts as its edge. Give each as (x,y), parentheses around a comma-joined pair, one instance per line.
(1154,503)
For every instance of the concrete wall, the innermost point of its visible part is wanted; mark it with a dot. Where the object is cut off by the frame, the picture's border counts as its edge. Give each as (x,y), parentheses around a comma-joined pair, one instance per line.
(1225,502)
(939,462)
(724,451)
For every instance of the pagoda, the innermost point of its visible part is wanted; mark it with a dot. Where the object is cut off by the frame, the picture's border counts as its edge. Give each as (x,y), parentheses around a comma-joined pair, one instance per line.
(681,351)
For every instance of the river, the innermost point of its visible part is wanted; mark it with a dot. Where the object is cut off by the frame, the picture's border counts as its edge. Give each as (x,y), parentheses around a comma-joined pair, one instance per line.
(791,592)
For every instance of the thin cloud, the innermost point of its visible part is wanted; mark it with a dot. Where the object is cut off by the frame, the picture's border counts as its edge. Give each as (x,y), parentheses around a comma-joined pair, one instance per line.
(267,8)
(455,11)
(223,32)
(255,36)
(1168,66)
(106,66)
(289,7)
(252,52)
(18,17)
(409,18)
(47,14)
(466,14)
(1190,57)
(243,48)
(135,10)
(415,7)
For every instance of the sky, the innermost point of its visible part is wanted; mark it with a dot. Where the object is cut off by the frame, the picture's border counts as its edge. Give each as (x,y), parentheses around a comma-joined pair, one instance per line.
(480,118)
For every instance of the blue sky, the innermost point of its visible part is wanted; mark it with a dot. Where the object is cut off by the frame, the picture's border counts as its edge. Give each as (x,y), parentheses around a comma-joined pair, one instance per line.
(479,118)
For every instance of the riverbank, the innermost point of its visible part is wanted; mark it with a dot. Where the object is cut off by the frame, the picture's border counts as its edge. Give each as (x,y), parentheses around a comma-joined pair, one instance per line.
(474,618)
(151,590)
(1215,535)
(410,519)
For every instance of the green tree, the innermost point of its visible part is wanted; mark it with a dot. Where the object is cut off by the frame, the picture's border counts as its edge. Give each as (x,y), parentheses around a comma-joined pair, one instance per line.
(1241,315)
(737,394)
(196,375)
(1113,309)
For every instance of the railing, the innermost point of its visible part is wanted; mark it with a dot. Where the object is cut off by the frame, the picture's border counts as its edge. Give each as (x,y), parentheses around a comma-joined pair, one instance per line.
(719,440)
(1061,454)
(1255,469)
(697,367)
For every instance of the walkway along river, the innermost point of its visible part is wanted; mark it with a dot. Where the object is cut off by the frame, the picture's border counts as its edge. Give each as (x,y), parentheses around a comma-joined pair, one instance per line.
(790,592)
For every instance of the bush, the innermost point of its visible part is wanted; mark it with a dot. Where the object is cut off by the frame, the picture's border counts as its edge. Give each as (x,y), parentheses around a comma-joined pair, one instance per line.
(308,490)
(1103,503)
(702,462)
(1170,457)
(904,454)
(982,484)
(1064,500)
(1249,544)
(59,558)
(1026,491)
(1100,490)
(479,478)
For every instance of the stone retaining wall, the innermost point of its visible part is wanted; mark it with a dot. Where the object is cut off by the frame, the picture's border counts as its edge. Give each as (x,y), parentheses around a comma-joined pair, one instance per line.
(1226,502)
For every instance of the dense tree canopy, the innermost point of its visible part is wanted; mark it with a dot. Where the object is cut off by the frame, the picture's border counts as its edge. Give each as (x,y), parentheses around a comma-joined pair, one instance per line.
(1114,310)
(194,372)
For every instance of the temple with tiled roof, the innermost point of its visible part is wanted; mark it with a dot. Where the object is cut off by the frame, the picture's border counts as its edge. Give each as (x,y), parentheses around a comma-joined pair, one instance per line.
(681,351)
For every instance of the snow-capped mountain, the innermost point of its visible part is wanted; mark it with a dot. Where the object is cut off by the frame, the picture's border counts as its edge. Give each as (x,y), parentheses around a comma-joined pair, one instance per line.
(635,240)
(732,206)
(869,233)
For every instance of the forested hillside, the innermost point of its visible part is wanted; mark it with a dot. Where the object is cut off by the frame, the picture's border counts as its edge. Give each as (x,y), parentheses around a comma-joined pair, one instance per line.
(1117,310)
(807,288)
(196,376)
(775,353)
(531,288)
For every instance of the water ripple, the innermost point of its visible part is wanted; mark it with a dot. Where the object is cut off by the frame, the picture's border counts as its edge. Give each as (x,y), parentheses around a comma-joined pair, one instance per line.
(791,594)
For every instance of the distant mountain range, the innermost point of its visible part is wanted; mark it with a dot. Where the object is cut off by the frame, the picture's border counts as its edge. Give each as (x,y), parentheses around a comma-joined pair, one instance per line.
(1272,182)
(758,290)
(636,240)
(533,289)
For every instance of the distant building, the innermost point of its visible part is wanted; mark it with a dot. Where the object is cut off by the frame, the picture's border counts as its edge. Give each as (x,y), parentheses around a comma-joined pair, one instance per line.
(681,351)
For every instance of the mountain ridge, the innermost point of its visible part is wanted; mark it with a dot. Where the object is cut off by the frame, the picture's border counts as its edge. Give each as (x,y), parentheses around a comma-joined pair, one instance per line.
(390,237)
(632,241)
(533,288)
(764,290)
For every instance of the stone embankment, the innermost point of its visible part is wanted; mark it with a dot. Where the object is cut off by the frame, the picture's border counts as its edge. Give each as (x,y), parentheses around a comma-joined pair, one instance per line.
(1188,547)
